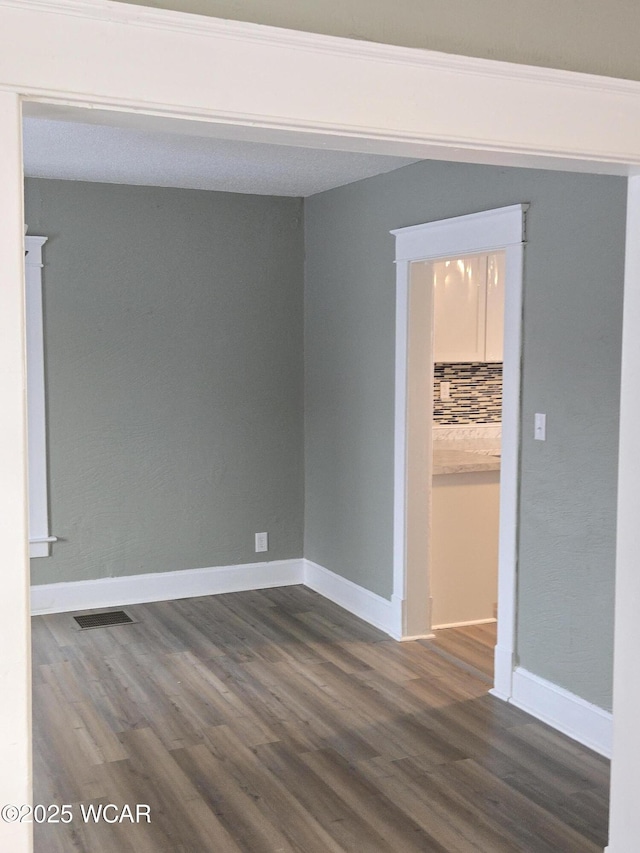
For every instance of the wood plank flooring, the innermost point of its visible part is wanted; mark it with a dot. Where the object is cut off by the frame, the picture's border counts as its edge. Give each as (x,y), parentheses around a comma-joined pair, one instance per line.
(274,722)
(471,646)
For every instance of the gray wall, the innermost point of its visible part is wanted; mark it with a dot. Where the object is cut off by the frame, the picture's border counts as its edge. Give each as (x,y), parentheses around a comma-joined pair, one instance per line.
(173,325)
(579,35)
(571,366)
(174,373)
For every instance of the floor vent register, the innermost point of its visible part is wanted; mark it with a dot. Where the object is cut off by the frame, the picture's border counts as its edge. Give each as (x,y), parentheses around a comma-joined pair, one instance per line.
(103,620)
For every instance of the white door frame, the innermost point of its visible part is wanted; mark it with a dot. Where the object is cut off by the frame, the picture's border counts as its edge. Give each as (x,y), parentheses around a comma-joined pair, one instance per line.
(313,90)
(490,230)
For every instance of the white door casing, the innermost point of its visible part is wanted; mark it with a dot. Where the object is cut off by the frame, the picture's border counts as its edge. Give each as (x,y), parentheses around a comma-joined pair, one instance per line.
(487,231)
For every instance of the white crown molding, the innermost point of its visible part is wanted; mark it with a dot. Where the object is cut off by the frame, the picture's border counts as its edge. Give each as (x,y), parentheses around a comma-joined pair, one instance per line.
(107,10)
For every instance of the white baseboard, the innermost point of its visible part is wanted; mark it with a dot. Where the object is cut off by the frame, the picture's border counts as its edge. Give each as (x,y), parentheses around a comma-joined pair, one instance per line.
(464,624)
(564,711)
(163,586)
(188,583)
(372,608)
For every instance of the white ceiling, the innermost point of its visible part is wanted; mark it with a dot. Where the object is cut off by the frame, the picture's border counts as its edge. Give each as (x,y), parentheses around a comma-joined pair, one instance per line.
(78,151)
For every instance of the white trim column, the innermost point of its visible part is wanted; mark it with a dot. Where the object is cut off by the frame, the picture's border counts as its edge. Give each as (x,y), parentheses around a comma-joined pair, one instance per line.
(15,672)
(624,827)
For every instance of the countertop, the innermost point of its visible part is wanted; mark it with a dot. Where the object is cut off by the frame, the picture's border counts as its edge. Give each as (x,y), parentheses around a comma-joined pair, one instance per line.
(454,460)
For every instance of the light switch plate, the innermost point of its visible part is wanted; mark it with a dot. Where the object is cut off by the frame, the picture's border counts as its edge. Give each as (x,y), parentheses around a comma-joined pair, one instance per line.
(540,427)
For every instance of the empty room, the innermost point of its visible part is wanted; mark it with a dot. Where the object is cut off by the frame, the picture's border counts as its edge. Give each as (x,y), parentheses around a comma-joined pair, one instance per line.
(255,472)
(220,365)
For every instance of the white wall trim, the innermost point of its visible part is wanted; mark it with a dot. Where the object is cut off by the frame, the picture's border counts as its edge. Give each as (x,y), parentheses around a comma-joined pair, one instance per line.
(564,711)
(474,232)
(501,228)
(189,583)
(372,608)
(39,539)
(163,586)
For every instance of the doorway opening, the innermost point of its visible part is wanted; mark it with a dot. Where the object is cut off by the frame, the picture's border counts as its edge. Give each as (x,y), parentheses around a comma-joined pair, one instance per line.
(417,249)
(468,321)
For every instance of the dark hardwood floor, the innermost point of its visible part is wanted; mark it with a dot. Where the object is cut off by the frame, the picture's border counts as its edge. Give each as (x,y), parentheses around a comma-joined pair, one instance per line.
(274,721)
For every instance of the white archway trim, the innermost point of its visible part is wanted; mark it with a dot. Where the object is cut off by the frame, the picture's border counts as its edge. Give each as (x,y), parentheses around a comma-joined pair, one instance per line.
(354,95)
(502,228)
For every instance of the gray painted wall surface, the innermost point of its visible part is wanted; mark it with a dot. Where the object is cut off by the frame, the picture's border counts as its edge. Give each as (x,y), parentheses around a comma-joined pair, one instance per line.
(174,377)
(571,368)
(578,35)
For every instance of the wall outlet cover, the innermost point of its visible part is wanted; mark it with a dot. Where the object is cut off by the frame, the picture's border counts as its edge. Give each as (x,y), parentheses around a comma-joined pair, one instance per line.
(540,427)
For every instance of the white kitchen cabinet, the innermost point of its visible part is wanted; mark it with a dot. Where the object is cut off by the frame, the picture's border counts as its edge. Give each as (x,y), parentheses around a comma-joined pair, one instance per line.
(460,299)
(494,346)
(464,547)
(468,297)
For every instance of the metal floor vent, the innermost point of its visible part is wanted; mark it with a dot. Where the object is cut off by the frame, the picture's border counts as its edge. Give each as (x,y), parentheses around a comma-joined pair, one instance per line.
(103,620)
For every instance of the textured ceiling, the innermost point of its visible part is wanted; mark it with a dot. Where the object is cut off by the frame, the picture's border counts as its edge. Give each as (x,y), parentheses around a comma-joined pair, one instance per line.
(76,151)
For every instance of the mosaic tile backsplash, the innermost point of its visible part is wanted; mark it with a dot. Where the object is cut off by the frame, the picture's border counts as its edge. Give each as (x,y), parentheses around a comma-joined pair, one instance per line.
(476,393)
